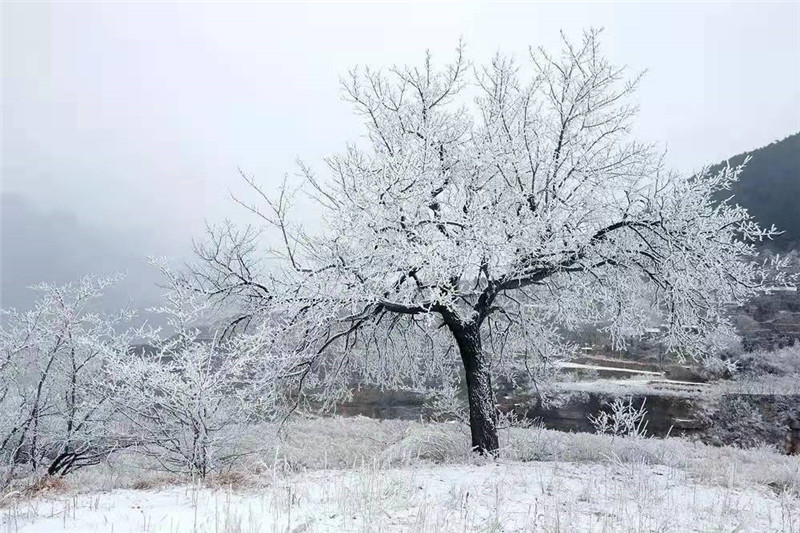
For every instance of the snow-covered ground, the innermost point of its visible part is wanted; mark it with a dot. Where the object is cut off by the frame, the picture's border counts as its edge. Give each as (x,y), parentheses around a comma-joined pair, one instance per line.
(505,496)
(359,474)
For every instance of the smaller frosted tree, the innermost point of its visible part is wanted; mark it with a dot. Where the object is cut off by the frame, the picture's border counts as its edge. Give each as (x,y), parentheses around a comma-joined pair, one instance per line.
(184,397)
(55,413)
(475,232)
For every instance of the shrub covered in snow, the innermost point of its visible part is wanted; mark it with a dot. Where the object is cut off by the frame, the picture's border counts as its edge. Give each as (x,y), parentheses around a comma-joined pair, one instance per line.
(55,411)
(187,401)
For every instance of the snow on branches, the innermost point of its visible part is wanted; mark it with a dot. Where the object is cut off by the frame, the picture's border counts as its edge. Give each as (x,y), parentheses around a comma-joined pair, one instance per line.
(55,410)
(183,399)
(485,227)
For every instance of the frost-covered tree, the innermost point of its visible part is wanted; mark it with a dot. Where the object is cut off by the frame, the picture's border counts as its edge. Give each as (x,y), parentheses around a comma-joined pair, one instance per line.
(185,397)
(489,210)
(55,411)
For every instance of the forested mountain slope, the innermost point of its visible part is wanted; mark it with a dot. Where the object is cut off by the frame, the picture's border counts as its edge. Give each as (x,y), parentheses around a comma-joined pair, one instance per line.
(770,189)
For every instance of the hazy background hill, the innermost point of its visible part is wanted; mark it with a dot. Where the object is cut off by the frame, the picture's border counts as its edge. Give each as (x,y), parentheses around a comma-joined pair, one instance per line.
(38,245)
(55,246)
(770,189)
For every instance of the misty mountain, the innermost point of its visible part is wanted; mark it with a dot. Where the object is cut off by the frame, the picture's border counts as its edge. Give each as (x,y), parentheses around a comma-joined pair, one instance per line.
(54,246)
(769,188)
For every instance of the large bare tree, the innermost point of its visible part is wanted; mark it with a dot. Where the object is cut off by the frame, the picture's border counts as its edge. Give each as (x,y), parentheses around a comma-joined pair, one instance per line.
(489,210)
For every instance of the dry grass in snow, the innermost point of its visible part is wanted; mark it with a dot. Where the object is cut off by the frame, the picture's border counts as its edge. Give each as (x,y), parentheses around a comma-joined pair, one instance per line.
(365,475)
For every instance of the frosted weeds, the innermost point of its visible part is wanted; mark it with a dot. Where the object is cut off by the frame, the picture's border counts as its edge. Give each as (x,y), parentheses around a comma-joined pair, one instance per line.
(365,475)
(491,497)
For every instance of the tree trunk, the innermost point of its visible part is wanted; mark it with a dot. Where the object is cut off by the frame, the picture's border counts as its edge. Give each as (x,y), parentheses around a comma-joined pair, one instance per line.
(482,404)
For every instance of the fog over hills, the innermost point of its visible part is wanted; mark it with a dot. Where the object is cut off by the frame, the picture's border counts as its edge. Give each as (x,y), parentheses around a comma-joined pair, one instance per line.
(123,125)
(54,246)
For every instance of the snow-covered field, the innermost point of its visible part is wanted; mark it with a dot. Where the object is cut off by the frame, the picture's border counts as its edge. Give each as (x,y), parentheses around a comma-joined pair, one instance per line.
(491,497)
(420,478)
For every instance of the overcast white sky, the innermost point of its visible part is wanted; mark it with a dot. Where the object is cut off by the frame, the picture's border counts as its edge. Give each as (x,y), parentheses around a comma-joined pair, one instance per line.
(135,116)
